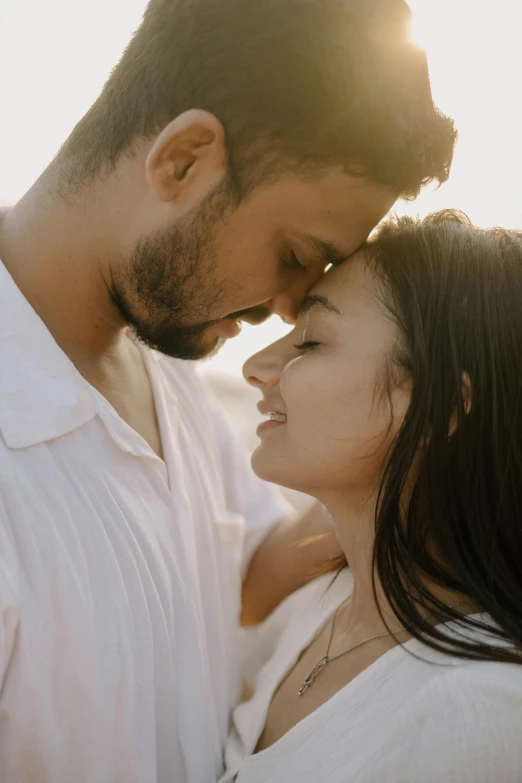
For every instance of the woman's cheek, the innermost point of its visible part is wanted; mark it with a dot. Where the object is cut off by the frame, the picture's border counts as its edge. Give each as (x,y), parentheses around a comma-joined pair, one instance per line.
(304,386)
(315,409)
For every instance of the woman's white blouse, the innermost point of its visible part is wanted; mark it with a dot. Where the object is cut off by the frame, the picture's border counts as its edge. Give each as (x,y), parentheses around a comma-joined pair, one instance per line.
(405,719)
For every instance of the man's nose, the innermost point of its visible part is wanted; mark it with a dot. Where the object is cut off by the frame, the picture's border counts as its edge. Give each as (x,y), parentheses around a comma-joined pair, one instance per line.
(286,307)
(286,303)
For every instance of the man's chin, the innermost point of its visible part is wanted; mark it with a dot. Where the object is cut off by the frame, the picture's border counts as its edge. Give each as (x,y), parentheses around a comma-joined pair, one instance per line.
(209,352)
(202,350)
(189,345)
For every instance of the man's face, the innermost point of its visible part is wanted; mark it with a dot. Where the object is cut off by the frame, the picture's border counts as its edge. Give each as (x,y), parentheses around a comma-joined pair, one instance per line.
(186,288)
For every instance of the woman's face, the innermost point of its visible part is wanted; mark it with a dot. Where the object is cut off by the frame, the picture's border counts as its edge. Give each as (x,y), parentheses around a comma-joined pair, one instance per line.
(337,420)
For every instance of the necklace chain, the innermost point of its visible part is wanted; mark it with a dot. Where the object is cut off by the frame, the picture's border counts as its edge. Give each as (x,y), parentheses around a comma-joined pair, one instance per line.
(319,666)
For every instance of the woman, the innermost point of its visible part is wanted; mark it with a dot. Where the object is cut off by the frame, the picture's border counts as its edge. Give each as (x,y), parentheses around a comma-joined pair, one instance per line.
(400,408)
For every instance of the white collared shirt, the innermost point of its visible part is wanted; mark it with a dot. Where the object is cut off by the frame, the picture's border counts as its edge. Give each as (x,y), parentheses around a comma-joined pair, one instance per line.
(119,572)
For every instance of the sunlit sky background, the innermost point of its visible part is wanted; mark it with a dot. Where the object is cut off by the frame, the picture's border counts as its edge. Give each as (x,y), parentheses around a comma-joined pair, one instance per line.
(56,54)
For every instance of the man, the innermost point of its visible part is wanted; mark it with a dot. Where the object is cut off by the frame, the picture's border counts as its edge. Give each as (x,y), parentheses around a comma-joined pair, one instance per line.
(236,150)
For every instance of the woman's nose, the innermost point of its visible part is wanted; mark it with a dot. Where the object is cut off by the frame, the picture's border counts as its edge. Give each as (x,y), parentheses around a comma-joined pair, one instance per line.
(264,369)
(261,370)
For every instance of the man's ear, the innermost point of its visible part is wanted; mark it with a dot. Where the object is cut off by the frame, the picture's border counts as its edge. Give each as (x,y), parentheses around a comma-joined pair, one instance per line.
(188,158)
(465,391)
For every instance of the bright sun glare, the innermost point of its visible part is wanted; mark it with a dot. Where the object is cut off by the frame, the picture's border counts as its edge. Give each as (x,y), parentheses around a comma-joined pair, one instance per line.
(475,61)
(420,26)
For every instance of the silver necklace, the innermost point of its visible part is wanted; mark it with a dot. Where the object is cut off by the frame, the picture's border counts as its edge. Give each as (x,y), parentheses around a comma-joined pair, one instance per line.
(319,666)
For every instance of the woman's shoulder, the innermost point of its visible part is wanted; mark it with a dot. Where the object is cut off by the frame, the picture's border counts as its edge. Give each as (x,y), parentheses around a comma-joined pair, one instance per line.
(464,722)
(465,684)
(473,684)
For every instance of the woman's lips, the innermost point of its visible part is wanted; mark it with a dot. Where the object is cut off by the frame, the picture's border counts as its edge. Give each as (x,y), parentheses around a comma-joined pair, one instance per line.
(266,409)
(266,426)
(276,418)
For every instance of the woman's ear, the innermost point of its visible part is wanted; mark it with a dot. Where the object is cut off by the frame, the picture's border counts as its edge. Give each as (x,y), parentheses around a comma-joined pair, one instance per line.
(465,390)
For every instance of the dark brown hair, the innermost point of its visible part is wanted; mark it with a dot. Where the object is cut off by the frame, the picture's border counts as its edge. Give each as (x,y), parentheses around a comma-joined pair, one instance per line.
(295,83)
(455,294)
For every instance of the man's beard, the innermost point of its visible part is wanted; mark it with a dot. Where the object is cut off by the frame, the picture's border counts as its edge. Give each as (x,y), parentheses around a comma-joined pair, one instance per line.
(171,279)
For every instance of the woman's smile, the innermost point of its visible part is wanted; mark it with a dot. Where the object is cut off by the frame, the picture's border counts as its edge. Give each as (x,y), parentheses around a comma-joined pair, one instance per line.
(275,417)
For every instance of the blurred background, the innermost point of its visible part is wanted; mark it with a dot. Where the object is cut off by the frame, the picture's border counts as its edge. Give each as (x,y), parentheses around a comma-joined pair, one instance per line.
(56,54)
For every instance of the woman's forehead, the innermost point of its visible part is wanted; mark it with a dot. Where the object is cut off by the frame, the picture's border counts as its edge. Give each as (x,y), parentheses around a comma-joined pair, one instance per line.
(347,280)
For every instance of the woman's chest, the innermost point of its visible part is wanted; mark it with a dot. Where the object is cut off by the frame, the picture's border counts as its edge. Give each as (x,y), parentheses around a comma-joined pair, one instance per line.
(312,682)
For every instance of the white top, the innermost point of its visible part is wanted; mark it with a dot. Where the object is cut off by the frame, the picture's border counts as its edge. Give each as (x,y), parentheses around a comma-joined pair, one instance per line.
(402,720)
(119,573)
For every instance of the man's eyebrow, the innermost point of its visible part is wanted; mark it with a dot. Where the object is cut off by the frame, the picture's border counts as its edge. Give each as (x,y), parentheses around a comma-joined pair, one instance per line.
(323,248)
(316,300)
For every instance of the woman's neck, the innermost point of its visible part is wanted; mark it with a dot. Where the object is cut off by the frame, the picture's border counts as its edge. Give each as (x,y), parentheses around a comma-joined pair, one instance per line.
(354,521)
(354,526)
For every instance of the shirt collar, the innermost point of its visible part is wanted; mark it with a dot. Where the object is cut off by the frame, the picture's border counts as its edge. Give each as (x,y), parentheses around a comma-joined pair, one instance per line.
(42,395)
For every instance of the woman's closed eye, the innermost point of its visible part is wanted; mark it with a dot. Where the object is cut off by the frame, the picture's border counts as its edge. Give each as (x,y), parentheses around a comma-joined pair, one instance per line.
(307,346)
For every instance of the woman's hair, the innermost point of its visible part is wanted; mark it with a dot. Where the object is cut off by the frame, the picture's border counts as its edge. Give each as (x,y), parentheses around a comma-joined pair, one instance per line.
(449,509)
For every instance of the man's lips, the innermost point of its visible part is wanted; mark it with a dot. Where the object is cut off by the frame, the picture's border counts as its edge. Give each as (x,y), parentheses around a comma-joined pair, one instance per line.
(228,329)
(253,316)
(230,326)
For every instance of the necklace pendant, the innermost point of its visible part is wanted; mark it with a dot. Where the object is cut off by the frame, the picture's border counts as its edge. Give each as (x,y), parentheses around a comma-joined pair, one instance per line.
(312,675)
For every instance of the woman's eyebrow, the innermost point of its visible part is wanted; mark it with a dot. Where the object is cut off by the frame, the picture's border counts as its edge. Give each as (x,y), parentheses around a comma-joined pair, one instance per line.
(322,302)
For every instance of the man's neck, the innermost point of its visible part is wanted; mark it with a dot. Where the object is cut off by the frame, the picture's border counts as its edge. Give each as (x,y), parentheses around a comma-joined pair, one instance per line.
(58,255)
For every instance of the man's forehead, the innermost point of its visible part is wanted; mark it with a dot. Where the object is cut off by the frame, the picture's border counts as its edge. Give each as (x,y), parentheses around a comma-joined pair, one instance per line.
(340,215)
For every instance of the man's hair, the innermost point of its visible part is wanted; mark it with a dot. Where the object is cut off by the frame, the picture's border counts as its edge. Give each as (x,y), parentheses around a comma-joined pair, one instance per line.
(296,84)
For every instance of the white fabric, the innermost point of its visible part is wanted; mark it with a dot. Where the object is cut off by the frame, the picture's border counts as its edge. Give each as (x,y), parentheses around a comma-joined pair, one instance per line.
(119,573)
(402,720)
